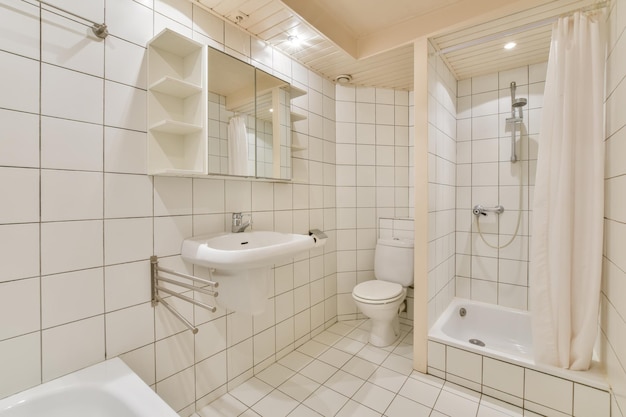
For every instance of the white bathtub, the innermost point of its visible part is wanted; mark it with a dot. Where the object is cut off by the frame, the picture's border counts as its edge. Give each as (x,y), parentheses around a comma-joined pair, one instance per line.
(506,334)
(108,389)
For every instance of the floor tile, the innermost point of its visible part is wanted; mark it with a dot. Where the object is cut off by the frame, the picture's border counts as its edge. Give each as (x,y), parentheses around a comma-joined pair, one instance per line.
(455,405)
(373,354)
(226,405)
(312,348)
(403,407)
(353,408)
(299,387)
(295,360)
(388,379)
(344,383)
(335,357)
(419,391)
(327,338)
(326,401)
(275,374)
(374,397)
(399,364)
(303,411)
(360,367)
(250,391)
(340,328)
(276,404)
(318,371)
(348,345)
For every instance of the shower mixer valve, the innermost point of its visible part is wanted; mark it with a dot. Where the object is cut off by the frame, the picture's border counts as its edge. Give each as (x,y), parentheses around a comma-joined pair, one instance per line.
(479,209)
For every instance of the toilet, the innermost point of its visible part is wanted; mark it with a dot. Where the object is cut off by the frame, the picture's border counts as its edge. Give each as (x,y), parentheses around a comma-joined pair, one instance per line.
(382,298)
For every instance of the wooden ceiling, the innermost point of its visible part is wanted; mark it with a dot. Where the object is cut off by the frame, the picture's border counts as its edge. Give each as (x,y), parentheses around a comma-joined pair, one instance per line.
(333,42)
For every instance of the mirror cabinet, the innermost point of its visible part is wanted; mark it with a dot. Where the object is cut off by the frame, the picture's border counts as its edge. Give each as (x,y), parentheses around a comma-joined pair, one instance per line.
(210,113)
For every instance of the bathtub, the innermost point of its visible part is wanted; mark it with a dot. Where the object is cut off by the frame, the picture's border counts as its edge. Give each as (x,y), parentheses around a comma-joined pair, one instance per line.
(488,348)
(108,389)
(487,329)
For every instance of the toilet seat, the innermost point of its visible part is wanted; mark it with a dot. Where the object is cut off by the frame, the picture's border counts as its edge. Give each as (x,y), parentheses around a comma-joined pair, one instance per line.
(378,292)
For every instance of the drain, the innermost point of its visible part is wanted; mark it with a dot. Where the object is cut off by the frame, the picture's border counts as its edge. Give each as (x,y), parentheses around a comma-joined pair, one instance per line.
(477,342)
(462,312)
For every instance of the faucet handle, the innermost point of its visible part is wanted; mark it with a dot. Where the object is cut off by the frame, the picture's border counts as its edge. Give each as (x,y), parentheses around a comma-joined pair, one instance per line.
(237,216)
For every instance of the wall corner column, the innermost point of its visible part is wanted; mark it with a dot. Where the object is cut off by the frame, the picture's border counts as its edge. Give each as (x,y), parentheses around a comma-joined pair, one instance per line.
(420,318)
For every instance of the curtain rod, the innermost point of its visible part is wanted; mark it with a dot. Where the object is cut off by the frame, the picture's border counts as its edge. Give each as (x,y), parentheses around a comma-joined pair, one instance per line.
(99,29)
(524,28)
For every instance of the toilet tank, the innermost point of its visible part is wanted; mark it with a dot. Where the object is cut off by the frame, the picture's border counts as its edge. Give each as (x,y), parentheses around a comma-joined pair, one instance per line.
(393,261)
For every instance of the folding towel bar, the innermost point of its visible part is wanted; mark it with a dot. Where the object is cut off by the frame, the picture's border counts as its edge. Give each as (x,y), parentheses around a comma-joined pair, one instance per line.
(155,279)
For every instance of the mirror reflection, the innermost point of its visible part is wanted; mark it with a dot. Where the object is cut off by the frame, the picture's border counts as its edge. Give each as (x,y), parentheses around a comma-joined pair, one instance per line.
(249,124)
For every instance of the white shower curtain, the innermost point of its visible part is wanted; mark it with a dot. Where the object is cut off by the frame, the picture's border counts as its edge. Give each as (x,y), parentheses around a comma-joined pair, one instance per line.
(568,210)
(237,146)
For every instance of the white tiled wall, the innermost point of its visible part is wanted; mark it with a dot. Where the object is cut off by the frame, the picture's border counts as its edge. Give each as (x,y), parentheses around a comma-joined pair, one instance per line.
(79,218)
(442,159)
(613,298)
(373,160)
(486,176)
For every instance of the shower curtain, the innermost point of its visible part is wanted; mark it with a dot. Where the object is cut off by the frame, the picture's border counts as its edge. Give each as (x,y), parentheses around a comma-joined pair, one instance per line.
(568,210)
(237,146)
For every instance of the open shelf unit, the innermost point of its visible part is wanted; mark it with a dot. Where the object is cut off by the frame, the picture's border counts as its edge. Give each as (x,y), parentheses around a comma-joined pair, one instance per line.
(177,105)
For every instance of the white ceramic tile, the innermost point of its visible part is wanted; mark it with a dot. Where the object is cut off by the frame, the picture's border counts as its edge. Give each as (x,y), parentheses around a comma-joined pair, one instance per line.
(129,328)
(173,354)
(127,196)
(19,251)
(19,307)
(388,379)
(20,190)
(452,404)
(82,102)
(503,377)
(549,391)
(124,151)
(71,195)
(127,240)
(126,285)
(590,402)
(67,144)
(208,25)
(401,406)
(72,296)
(177,390)
(20,357)
(19,83)
(276,374)
(374,397)
(484,83)
(19,138)
(299,387)
(275,404)
(238,196)
(20,22)
(326,401)
(172,196)
(240,358)
(68,45)
(87,347)
(118,15)
(125,62)
(68,246)
(125,107)
(169,233)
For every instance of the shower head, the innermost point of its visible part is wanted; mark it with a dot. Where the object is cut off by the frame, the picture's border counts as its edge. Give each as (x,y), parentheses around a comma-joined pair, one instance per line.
(520,102)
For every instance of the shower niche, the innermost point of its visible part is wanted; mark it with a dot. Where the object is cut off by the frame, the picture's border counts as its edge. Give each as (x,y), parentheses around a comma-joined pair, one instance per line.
(223,116)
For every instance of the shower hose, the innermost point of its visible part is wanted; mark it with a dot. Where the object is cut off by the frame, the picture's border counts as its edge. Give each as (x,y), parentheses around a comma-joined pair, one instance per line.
(519,218)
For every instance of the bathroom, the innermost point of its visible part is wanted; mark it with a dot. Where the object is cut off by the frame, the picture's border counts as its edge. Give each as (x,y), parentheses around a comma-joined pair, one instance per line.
(81,218)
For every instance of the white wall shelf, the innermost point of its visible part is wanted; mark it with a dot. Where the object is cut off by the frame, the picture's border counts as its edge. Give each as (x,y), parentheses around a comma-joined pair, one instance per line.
(177,105)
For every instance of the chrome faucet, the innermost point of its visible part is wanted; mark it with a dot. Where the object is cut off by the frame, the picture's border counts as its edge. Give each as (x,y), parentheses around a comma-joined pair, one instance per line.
(238,225)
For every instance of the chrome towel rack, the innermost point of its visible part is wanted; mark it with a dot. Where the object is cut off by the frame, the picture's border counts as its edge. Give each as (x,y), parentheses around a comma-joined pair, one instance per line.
(155,279)
(98,29)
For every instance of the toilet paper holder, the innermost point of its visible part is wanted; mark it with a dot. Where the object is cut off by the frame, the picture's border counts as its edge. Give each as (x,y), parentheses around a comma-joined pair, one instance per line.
(318,235)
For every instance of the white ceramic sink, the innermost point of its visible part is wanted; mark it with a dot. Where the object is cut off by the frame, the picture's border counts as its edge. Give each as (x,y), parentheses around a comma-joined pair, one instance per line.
(241,262)
(245,250)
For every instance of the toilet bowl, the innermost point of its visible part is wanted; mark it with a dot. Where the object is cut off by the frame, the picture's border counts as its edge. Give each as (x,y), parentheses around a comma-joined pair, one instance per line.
(381,299)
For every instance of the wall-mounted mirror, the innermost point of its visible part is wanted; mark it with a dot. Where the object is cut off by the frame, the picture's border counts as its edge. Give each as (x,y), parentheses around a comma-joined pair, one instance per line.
(249,124)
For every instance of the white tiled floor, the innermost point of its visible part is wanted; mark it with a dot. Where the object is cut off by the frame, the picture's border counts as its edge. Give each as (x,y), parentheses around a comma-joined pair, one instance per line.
(339,374)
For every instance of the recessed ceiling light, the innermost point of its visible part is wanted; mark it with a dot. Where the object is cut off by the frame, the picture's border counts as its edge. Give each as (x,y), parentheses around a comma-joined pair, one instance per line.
(510,45)
(293,39)
(343,78)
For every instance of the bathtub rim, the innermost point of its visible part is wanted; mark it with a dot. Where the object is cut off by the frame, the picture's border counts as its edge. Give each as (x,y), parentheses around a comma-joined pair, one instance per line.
(111,376)
(594,377)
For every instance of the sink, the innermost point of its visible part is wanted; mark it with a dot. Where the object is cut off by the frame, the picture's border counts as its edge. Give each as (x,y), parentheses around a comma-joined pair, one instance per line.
(241,263)
(244,250)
